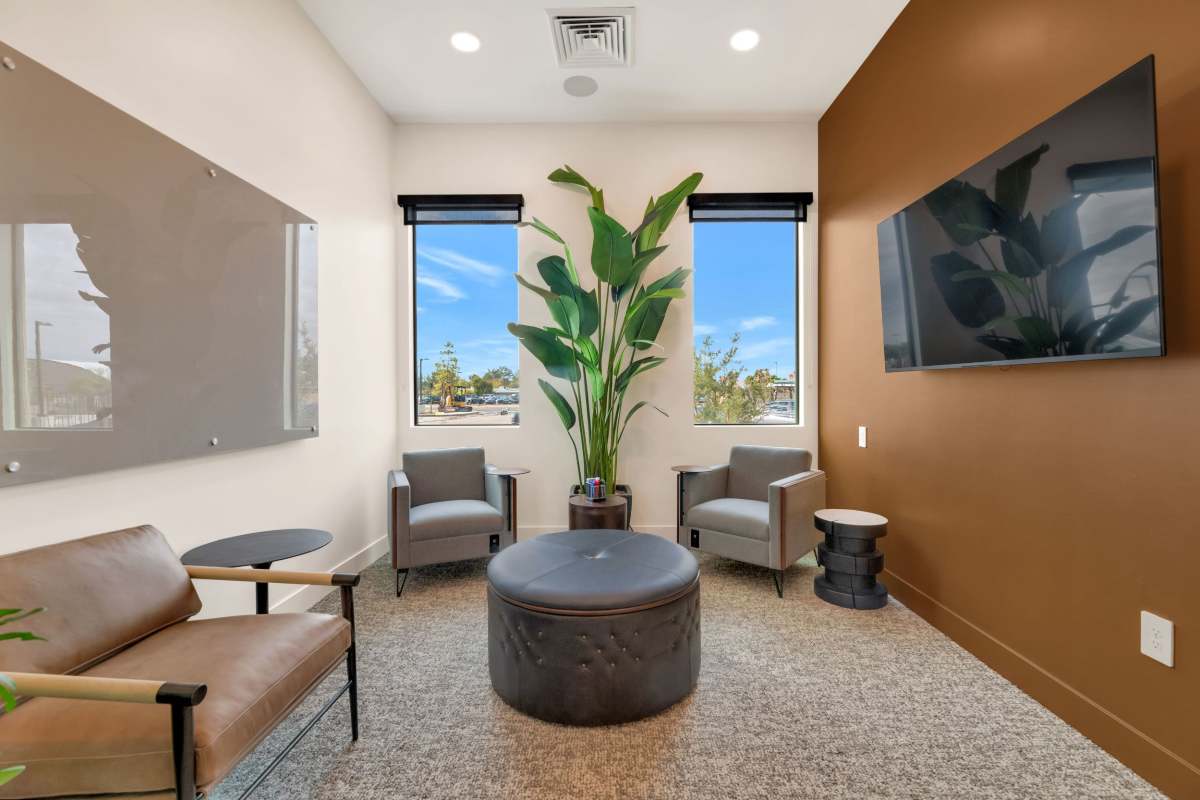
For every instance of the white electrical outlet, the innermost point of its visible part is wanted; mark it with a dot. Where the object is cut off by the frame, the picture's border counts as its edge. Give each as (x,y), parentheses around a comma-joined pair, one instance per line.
(1158,638)
(862,435)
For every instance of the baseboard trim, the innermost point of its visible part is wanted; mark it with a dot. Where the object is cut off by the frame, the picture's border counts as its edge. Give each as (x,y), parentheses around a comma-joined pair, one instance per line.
(306,597)
(1158,764)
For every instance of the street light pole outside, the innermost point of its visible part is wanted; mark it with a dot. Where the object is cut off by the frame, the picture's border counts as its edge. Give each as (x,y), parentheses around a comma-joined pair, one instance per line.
(37,351)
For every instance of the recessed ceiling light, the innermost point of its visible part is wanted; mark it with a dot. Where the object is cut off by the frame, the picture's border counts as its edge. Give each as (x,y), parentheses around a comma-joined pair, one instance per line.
(744,40)
(464,42)
(580,86)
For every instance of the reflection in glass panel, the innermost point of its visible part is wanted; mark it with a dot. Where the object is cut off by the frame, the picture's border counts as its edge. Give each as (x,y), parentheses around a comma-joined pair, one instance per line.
(745,323)
(60,372)
(465,296)
(301,264)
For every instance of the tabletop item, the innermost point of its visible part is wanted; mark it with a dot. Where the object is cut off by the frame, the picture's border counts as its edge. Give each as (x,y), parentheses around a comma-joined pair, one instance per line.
(594,489)
(593,627)
(259,550)
(850,559)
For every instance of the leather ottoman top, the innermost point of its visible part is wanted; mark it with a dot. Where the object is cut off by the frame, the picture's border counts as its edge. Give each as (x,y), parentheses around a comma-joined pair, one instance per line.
(589,571)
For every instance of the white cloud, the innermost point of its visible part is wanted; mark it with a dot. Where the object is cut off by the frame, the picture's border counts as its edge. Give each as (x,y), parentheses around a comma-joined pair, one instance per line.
(765,348)
(704,330)
(464,265)
(754,323)
(445,288)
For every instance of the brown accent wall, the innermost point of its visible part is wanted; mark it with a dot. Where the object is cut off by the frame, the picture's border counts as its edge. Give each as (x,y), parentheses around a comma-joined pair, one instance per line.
(1034,509)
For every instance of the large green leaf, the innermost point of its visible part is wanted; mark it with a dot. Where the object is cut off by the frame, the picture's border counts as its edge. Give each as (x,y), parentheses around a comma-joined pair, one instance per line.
(1060,230)
(973,303)
(567,174)
(1126,321)
(556,273)
(563,308)
(545,346)
(1018,260)
(589,312)
(641,260)
(675,279)
(1012,182)
(537,224)
(997,276)
(965,212)
(667,204)
(643,321)
(565,412)
(1037,333)
(587,351)
(634,369)
(1068,279)
(612,249)
(8,773)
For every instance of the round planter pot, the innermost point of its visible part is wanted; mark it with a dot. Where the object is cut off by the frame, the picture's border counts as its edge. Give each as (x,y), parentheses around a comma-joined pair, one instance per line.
(579,516)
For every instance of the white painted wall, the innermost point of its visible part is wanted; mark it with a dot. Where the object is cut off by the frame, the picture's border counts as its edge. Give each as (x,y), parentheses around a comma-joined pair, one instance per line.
(255,87)
(631,162)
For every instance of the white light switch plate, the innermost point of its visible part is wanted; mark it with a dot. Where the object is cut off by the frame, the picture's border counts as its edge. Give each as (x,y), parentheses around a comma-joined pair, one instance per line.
(862,435)
(1158,638)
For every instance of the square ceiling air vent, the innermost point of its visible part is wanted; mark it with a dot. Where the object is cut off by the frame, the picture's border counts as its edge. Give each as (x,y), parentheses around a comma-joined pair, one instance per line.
(592,37)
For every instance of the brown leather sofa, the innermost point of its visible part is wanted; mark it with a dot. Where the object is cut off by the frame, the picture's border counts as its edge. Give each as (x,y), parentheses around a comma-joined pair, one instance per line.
(129,697)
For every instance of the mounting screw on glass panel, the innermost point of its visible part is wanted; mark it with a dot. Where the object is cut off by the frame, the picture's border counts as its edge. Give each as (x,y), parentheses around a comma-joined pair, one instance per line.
(12,466)
(212,173)
(213,442)
(8,63)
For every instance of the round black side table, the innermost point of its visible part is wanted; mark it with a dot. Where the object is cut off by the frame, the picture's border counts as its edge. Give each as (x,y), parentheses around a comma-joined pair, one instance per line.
(850,559)
(259,550)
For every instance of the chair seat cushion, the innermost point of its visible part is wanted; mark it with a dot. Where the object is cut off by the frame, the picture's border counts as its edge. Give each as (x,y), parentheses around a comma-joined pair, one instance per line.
(257,668)
(748,518)
(448,518)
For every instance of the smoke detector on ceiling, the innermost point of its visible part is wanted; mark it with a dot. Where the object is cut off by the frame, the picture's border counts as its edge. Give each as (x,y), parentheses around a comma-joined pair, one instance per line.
(592,37)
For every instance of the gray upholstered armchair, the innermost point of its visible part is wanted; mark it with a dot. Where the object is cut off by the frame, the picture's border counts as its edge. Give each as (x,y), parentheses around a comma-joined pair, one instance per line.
(758,508)
(448,505)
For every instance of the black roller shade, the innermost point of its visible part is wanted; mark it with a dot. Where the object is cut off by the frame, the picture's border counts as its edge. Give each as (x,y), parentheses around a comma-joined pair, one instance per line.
(460,209)
(749,207)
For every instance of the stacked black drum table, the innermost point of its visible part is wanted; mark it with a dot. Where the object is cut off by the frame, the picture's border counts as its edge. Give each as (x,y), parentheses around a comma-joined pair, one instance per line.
(850,559)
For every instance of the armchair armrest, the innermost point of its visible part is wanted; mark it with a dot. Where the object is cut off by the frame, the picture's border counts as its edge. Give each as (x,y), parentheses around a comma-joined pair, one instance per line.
(700,484)
(793,501)
(122,690)
(274,576)
(399,504)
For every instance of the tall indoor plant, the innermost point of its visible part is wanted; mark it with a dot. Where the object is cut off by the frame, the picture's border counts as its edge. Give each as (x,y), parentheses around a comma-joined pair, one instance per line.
(8,694)
(600,336)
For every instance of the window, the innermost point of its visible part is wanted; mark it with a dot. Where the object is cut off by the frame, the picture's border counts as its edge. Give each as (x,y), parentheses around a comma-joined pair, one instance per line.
(746,252)
(464,256)
(55,358)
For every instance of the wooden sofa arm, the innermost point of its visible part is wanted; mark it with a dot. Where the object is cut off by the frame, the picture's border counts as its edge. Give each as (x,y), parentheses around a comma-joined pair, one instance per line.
(273,576)
(122,690)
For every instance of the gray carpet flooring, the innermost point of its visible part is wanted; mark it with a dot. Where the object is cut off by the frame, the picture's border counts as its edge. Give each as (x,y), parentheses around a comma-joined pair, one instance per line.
(797,699)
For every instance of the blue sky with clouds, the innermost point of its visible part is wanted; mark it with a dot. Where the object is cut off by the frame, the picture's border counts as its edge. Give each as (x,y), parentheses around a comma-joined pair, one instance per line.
(744,281)
(466,294)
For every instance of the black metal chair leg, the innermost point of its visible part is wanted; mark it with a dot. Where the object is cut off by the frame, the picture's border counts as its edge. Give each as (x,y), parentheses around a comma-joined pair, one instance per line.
(777,574)
(351,660)
(399,583)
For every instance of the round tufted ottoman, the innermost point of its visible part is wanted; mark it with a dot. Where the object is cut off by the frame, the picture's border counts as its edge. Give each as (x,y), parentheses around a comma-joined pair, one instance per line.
(593,627)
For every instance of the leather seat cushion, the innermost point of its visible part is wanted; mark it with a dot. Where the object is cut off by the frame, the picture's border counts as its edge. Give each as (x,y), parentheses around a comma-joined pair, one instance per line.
(592,570)
(257,668)
(748,518)
(448,518)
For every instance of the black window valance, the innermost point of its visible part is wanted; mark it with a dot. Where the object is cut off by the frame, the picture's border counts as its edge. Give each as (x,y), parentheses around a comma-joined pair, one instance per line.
(459,209)
(749,207)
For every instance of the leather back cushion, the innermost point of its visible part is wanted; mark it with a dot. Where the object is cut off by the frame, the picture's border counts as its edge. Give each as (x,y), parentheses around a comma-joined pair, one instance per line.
(753,468)
(437,475)
(101,594)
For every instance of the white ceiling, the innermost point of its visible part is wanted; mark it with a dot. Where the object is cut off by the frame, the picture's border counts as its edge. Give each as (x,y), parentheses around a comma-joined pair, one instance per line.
(684,69)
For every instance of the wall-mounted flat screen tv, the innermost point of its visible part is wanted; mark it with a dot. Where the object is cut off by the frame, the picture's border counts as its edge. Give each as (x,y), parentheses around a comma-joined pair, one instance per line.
(1046,250)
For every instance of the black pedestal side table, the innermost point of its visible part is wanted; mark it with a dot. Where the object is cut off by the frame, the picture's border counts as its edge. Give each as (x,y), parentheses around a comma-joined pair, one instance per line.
(850,559)
(259,550)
